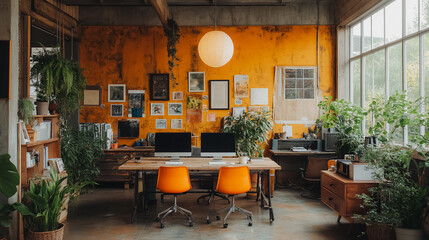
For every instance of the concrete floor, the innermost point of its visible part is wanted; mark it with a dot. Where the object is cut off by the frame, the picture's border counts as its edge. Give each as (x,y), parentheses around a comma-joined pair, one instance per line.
(105,213)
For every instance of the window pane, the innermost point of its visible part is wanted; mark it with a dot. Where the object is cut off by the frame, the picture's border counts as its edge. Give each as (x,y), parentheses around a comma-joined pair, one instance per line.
(378,29)
(379,73)
(369,78)
(412,16)
(355,40)
(366,42)
(424,14)
(426,63)
(394,21)
(398,136)
(413,68)
(355,66)
(395,68)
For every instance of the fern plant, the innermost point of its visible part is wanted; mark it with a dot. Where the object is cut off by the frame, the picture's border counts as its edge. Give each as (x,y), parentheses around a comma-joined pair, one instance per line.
(251,132)
(25,110)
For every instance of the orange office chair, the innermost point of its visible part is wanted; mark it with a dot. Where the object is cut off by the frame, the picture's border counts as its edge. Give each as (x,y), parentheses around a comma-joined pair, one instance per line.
(233,181)
(174,180)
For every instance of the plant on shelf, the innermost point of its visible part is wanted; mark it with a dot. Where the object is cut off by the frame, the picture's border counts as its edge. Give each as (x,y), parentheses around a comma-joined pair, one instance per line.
(44,201)
(60,81)
(25,111)
(79,151)
(172,32)
(346,119)
(9,179)
(251,132)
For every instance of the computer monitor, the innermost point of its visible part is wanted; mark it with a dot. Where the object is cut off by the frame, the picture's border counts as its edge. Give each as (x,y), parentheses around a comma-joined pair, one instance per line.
(173,145)
(217,145)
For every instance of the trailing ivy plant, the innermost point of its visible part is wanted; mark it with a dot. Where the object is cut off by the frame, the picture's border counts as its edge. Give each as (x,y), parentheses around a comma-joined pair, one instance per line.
(172,32)
(251,132)
(346,118)
(79,151)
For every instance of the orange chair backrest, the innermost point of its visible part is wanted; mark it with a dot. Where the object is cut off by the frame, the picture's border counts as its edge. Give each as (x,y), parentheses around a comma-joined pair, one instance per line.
(174,179)
(233,180)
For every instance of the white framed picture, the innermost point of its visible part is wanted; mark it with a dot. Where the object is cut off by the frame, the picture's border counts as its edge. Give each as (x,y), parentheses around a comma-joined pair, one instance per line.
(116,92)
(176,124)
(237,111)
(265,109)
(259,96)
(177,95)
(117,110)
(196,82)
(157,109)
(175,109)
(59,164)
(161,123)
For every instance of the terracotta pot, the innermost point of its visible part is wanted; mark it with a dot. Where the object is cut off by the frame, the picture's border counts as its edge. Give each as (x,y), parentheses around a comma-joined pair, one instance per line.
(42,108)
(50,235)
(53,108)
(377,231)
(114,145)
(409,234)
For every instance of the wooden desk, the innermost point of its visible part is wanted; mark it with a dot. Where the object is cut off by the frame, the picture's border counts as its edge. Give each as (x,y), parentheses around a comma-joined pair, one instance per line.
(290,163)
(196,165)
(339,194)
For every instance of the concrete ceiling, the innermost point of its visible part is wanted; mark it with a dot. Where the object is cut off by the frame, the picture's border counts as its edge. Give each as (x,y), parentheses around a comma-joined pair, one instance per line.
(188,2)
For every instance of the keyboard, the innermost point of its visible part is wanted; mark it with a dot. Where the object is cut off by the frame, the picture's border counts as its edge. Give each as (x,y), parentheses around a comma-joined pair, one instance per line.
(217,163)
(174,163)
(299,149)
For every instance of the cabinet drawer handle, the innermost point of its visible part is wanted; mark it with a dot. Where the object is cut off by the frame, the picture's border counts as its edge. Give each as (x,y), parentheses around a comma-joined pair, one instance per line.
(331,185)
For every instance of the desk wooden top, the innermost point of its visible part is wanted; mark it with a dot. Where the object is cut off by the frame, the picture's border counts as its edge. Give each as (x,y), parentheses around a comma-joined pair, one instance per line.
(193,164)
(131,149)
(292,153)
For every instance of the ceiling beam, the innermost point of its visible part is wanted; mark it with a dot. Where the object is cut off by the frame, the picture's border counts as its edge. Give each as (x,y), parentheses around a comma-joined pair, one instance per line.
(161,8)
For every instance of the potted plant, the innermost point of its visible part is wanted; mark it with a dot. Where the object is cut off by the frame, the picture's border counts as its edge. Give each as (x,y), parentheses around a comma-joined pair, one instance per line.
(251,132)
(25,111)
(346,119)
(44,202)
(172,32)
(9,179)
(60,81)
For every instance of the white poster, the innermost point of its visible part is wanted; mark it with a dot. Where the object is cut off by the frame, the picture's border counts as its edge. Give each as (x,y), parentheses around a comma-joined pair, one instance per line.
(259,96)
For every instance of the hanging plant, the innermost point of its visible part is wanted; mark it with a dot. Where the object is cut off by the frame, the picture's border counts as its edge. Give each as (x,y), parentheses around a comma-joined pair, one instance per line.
(172,32)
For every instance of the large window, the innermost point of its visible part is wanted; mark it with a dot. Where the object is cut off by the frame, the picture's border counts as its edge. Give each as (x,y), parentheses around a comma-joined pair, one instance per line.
(389,52)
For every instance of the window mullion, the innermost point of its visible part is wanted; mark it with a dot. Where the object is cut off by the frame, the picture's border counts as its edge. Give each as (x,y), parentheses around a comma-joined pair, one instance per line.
(422,76)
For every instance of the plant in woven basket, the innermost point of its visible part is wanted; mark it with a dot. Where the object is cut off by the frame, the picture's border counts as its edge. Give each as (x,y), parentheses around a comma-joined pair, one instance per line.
(45,202)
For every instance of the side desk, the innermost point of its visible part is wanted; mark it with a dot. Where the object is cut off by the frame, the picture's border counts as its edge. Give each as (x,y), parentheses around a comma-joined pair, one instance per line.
(290,163)
(339,194)
(198,165)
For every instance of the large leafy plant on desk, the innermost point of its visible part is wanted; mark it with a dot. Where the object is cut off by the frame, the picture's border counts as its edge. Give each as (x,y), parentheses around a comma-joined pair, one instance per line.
(346,119)
(251,132)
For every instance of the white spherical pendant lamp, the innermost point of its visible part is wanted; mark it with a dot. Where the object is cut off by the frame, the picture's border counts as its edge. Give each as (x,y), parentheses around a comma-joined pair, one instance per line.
(216,48)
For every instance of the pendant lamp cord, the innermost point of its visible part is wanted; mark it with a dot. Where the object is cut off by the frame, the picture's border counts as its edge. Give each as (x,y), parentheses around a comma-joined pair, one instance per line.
(214,14)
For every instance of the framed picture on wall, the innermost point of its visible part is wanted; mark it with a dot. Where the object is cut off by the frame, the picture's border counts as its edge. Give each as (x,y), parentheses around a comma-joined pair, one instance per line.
(159,86)
(176,124)
(177,95)
(219,94)
(157,109)
(116,93)
(196,82)
(117,110)
(161,123)
(175,109)
(241,86)
(92,95)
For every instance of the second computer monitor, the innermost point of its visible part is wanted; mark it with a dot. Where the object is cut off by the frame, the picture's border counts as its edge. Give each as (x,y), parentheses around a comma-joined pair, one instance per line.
(217,145)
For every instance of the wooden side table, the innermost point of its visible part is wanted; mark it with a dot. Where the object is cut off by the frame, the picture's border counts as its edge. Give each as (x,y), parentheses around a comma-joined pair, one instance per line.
(339,194)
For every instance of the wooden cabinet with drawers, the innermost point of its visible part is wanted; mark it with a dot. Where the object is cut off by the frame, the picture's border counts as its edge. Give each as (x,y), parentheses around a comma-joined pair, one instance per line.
(339,194)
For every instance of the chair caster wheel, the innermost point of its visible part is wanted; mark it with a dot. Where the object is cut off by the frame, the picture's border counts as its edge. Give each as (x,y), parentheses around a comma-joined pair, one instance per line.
(250,224)
(217,218)
(157,219)
(208,221)
(191,224)
(225,225)
(162,225)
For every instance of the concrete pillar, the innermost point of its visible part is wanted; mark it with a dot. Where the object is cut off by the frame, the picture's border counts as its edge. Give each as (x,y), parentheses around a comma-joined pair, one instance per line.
(9,30)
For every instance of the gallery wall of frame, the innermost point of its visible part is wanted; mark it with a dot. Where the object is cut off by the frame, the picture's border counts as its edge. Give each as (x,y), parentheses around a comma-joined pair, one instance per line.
(137,85)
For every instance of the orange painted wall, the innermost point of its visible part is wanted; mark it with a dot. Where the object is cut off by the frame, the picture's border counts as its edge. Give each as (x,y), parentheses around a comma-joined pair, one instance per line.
(128,54)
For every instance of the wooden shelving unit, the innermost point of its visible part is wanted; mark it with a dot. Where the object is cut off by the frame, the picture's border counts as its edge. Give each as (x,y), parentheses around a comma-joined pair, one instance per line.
(53,145)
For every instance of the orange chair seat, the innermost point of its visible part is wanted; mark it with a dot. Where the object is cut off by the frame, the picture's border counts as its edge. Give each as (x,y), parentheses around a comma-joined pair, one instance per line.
(233,180)
(173,179)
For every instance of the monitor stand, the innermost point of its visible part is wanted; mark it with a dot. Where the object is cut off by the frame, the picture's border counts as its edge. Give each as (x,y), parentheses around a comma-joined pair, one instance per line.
(175,160)
(217,160)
